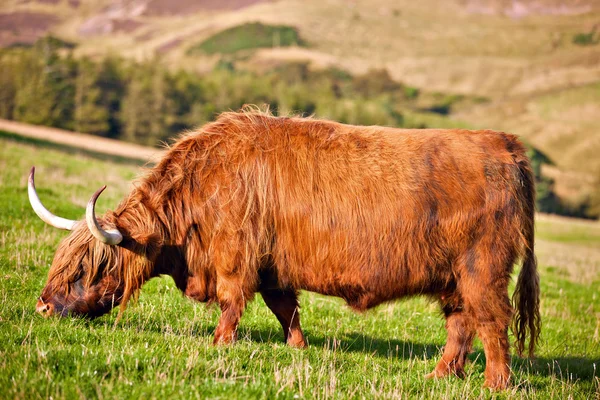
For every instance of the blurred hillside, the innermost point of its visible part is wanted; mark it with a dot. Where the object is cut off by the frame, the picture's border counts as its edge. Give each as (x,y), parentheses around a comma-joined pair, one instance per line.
(531,67)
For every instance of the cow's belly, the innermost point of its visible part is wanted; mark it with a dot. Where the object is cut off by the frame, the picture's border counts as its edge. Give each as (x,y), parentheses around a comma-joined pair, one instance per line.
(375,289)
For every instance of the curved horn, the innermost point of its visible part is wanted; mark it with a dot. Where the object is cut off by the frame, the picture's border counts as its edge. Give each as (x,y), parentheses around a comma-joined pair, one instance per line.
(41,211)
(111,236)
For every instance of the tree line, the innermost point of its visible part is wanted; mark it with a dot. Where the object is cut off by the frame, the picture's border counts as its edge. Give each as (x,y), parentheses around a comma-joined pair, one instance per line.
(146,103)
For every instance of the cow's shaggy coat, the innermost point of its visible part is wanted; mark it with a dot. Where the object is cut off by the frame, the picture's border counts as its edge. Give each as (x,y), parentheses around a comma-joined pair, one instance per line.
(257,203)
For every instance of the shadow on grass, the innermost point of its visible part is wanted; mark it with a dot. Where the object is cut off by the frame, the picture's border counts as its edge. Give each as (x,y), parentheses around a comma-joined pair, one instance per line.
(572,368)
(561,368)
(73,150)
(358,342)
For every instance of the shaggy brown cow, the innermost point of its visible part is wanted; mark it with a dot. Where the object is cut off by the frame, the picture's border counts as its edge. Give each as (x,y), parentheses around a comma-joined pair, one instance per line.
(256,203)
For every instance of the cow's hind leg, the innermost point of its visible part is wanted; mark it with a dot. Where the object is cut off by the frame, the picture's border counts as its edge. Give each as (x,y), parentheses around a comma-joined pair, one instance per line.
(461,331)
(284,304)
(485,294)
(492,328)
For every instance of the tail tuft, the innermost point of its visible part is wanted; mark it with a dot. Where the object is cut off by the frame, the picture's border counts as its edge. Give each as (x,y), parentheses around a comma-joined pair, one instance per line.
(526,298)
(527,321)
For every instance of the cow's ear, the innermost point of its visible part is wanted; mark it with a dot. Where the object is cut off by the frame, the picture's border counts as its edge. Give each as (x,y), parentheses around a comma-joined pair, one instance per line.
(147,244)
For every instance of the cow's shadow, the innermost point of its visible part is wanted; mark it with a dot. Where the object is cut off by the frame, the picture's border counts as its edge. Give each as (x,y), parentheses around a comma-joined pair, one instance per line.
(561,368)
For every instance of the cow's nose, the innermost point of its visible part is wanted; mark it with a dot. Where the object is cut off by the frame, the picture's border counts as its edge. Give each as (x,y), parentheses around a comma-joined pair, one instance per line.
(46,309)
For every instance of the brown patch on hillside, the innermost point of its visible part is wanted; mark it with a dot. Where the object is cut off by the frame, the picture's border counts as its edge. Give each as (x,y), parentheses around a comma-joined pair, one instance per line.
(524,8)
(116,17)
(24,27)
(100,25)
(51,2)
(168,46)
(266,59)
(125,25)
(147,35)
(173,43)
(169,7)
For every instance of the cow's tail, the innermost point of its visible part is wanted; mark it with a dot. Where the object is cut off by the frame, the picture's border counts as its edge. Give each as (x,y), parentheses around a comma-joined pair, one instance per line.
(526,298)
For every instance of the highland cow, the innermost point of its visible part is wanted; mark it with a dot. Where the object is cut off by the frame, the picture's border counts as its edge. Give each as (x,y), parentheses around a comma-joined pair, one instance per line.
(256,203)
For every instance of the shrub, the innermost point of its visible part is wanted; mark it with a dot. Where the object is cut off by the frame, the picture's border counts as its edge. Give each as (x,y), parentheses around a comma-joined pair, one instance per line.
(586,39)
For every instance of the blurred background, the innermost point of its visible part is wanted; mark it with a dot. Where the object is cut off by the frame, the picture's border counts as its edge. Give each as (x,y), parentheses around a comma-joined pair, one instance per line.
(142,71)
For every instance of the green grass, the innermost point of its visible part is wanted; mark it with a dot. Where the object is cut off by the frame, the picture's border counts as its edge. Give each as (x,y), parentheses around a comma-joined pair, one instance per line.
(162,347)
(247,37)
(586,39)
(567,232)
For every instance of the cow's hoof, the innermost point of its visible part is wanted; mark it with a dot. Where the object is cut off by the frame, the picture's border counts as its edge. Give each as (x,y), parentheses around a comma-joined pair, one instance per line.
(296,341)
(440,373)
(496,384)
(297,344)
(224,340)
(431,375)
(435,374)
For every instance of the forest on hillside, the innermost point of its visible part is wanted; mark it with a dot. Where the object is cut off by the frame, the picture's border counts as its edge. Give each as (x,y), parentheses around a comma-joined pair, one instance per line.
(146,103)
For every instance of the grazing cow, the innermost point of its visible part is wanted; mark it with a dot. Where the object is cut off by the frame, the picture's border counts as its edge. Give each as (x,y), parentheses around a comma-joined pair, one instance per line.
(256,203)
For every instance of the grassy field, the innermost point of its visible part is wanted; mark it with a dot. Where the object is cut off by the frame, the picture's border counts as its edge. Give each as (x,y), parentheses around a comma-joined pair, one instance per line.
(162,347)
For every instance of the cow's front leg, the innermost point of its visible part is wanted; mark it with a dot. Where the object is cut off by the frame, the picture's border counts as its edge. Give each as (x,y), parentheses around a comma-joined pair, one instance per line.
(284,304)
(232,301)
(226,331)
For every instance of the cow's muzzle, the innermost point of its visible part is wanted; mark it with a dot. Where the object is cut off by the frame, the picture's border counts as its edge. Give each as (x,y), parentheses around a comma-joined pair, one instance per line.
(43,308)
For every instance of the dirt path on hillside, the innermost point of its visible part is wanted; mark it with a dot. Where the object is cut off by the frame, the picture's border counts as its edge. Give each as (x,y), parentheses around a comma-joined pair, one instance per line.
(83,141)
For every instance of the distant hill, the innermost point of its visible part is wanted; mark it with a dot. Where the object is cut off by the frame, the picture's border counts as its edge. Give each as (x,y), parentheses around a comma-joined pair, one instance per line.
(536,62)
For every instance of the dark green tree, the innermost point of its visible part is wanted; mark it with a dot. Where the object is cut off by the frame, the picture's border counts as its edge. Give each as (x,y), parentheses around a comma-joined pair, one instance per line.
(147,110)
(90,114)
(45,88)
(111,80)
(8,87)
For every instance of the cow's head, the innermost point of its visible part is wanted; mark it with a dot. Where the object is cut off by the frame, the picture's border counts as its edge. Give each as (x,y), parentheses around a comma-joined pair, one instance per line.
(91,271)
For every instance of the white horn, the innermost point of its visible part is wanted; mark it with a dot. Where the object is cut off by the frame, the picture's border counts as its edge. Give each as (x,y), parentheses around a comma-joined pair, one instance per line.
(42,212)
(111,236)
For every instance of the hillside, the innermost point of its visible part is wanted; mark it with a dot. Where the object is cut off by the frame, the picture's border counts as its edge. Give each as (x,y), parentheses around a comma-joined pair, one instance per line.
(485,48)
(535,63)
